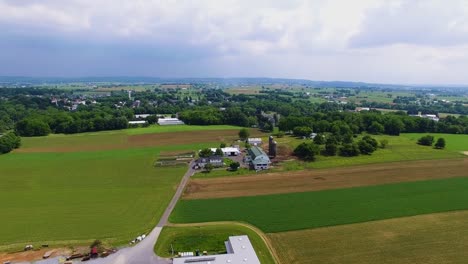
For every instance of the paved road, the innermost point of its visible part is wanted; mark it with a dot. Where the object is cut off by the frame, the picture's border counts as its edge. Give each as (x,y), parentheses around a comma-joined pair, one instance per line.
(143,253)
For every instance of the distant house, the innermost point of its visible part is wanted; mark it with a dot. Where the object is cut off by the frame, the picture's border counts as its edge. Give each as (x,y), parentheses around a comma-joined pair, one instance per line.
(169,121)
(216,161)
(228,151)
(254,141)
(142,116)
(257,159)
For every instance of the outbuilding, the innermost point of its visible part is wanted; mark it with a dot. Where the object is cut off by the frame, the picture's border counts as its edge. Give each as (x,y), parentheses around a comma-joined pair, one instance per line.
(257,158)
(228,151)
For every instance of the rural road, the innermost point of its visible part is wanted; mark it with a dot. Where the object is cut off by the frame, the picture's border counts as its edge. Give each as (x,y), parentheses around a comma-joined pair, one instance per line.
(143,253)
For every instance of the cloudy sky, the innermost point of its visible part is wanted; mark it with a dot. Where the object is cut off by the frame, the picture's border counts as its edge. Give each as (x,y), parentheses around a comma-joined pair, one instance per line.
(414,41)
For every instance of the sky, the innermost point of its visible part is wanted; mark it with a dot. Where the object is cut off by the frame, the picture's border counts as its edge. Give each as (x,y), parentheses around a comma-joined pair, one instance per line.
(383,41)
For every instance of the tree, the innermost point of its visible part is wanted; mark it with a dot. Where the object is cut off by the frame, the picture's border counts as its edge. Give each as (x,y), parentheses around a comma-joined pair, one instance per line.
(349,150)
(306,151)
(394,126)
(8,142)
(244,133)
(32,128)
(440,144)
(426,140)
(234,166)
(219,152)
(383,143)
(365,147)
(222,145)
(319,139)
(209,167)
(376,128)
(372,141)
(206,152)
(330,149)
(302,131)
(152,119)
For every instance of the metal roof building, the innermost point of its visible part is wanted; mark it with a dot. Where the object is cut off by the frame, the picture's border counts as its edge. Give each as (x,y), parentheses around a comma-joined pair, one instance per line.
(239,251)
(258,159)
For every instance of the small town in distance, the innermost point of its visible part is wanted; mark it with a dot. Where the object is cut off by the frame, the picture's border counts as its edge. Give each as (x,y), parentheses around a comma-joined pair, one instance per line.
(233,132)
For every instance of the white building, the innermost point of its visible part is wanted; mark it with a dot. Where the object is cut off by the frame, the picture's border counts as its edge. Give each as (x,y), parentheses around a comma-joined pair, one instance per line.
(239,251)
(169,121)
(229,151)
(136,122)
(254,141)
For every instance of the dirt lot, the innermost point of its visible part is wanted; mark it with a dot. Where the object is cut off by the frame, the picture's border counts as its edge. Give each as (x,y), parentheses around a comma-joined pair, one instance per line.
(32,255)
(314,180)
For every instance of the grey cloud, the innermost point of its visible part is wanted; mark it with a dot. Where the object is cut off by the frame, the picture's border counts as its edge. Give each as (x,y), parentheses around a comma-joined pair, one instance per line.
(430,23)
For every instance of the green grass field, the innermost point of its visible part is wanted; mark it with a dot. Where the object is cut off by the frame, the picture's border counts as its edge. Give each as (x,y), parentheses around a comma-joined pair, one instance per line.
(283,212)
(63,198)
(400,148)
(208,238)
(454,142)
(429,239)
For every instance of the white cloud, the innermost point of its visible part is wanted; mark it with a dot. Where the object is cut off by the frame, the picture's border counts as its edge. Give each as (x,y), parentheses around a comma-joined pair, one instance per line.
(411,41)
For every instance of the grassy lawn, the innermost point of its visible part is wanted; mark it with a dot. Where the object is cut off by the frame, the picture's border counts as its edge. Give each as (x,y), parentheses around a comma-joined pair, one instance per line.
(429,239)
(208,238)
(454,142)
(293,211)
(400,148)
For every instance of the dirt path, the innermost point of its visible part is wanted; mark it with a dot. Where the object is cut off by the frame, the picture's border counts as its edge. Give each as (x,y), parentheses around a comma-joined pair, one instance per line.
(314,180)
(259,232)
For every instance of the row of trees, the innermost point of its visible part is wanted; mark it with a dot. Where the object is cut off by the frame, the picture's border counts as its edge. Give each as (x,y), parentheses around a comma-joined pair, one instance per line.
(332,146)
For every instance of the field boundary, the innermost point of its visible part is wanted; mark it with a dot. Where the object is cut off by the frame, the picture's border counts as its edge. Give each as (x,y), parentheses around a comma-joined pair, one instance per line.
(259,232)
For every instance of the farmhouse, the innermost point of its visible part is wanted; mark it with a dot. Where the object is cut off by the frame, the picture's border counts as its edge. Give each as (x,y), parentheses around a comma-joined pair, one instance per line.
(229,151)
(216,161)
(169,121)
(257,159)
(238,248)
(254,141)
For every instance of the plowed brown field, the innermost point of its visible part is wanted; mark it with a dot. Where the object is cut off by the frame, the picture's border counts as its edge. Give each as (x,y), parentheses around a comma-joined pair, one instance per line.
(315,180)
(144,140)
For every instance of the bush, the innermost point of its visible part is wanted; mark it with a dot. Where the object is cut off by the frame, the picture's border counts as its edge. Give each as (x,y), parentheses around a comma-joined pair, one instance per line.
(219,152)
(349,150)
(426,140)
(383,143)
(330,149)
(280,134)
(8,142)
(306,151)
(234,166)
(440,144)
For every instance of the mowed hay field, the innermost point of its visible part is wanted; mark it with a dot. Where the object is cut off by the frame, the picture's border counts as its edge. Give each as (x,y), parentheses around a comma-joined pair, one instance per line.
(423,239)
(294,211)
(72,189)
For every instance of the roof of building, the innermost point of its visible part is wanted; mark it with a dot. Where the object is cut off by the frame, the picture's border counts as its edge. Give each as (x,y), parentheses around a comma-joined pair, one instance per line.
(255,152)
(227,149)
(239,250)
(254,140)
